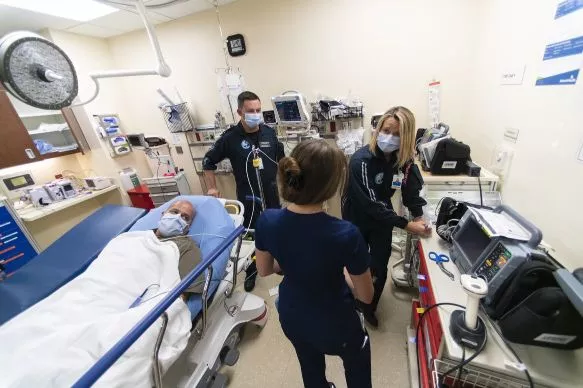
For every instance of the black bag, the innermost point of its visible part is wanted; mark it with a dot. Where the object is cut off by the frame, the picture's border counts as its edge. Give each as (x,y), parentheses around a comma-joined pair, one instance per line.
(450,212)
(450,157)
(526,279)
(533,310)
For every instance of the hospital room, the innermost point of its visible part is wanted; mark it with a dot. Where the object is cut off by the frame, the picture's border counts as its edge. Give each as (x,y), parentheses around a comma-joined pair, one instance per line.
(178,179)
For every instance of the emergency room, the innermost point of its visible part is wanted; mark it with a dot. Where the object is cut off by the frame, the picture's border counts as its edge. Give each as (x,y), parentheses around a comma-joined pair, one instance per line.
(291,193)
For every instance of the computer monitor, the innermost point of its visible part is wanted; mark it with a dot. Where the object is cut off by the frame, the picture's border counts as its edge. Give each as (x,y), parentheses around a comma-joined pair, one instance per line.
(291,110)
(472,241)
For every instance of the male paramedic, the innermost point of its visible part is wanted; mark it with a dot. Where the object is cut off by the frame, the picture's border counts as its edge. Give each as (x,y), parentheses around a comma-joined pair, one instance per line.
(237,144)
(174,226)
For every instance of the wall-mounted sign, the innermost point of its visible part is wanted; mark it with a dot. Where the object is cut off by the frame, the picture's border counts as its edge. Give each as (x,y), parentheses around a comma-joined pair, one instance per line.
(512,75)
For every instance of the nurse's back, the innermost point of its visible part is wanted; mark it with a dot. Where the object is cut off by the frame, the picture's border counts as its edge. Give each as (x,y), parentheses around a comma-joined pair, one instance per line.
(312,249)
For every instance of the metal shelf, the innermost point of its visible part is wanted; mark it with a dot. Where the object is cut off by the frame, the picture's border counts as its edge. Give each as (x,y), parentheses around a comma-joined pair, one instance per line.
(201,143)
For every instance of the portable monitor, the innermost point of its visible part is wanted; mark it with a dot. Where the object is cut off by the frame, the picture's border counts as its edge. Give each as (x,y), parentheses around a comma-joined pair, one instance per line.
(14,184)
(493,244)
(291,110)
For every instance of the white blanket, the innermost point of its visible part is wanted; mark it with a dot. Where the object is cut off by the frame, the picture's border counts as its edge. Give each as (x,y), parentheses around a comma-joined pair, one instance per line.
(57,340)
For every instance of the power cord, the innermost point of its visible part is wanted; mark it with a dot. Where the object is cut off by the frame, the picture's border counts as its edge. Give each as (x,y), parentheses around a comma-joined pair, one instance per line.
(460,370)
(481,195)
(466,361)
(518,359)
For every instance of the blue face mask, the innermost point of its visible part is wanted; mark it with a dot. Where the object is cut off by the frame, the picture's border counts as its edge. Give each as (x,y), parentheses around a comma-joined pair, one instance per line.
(171,225)
(253,119)
(388,143)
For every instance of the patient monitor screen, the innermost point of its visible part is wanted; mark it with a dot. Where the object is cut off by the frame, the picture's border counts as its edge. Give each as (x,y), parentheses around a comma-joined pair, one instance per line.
(288,111)
(472,240)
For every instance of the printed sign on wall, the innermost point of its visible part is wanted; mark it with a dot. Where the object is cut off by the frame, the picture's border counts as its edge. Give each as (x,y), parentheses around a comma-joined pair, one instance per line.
(563,55)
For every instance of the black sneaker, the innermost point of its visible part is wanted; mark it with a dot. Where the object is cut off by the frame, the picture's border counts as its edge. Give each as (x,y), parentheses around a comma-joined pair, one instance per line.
(250,283)
(371,318)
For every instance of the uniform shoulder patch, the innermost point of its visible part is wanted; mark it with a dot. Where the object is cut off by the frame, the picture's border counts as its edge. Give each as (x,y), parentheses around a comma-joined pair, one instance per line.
(378,179)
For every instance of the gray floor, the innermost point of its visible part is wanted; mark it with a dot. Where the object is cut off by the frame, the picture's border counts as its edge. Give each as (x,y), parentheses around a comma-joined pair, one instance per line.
(268,359)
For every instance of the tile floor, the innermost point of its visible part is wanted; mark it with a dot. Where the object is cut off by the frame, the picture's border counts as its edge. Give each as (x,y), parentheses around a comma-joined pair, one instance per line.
(268,359)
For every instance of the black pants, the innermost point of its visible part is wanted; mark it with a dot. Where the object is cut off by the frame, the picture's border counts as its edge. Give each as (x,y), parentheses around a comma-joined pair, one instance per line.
(252,212)
(379,241)
(352,348)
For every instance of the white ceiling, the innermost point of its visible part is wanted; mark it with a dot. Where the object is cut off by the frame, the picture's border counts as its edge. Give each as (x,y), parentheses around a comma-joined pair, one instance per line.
(120,22)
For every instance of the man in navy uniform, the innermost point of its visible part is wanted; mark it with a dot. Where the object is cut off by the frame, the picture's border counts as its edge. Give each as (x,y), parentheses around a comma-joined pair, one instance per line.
(237,144)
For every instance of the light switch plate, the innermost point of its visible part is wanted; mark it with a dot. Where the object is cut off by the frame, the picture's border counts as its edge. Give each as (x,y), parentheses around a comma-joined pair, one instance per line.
(511,134)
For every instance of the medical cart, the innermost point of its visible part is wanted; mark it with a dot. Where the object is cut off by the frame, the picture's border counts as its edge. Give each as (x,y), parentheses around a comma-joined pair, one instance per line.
(495,366)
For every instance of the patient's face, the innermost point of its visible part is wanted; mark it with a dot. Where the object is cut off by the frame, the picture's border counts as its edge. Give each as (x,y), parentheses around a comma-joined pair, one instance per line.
(184,209)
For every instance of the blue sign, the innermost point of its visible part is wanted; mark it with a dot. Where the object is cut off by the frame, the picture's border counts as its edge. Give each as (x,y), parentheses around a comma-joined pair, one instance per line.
(567,7)
(15,249)
(564,49)
(568,78)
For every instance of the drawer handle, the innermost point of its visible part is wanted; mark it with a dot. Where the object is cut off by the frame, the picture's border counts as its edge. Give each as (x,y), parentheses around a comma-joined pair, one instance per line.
(29,153)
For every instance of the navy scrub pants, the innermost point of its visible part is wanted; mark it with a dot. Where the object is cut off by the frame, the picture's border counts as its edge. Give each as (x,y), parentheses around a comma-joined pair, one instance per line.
(355,356)
(379,241)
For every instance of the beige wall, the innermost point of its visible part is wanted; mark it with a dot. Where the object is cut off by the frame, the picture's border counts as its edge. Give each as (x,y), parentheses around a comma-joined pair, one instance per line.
(309,46)
(545,182)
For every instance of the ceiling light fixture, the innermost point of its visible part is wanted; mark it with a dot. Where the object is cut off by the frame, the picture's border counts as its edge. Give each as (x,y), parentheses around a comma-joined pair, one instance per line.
(79,10)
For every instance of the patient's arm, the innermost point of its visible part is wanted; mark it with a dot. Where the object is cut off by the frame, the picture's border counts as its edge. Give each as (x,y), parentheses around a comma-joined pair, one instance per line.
(266,264)
(190,257)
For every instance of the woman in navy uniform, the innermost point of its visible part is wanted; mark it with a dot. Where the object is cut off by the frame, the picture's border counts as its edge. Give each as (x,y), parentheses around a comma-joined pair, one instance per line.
(377,171)
(316,309)
(237,144)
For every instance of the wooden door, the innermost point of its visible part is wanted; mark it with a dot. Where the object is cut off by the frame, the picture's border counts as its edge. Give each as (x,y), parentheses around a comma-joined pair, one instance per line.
(16,145)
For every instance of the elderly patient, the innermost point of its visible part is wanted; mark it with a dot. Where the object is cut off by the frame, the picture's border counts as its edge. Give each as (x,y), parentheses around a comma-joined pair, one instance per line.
(174,226)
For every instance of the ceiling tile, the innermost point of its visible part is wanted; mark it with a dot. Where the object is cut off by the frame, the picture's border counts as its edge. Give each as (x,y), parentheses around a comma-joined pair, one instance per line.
(14,19)
(92,30)
(125,21)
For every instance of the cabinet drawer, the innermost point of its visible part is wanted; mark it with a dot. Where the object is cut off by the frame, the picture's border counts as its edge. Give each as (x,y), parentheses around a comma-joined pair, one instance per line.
(162,198)
(156,188)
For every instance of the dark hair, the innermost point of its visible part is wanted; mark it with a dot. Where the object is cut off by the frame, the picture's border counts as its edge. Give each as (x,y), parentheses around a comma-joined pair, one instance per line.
(313,172)
(246,96)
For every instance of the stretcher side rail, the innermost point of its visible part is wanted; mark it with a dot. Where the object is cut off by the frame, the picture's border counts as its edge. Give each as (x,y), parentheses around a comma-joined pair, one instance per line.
(112,355)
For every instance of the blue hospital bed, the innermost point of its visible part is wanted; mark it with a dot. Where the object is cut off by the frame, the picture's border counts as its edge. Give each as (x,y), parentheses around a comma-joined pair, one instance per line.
(64,260)
(216,334)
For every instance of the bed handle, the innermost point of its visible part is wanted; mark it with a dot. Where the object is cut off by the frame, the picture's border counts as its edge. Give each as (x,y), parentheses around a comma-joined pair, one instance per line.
(113,354)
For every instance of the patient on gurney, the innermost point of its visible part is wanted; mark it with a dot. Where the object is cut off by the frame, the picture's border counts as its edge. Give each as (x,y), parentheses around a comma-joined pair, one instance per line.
(174,226)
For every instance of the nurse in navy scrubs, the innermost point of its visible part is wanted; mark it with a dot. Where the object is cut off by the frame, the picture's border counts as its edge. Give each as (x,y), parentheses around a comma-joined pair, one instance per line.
(313,249)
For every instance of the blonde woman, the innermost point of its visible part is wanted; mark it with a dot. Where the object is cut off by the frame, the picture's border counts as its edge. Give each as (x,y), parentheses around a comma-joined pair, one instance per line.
(377,171)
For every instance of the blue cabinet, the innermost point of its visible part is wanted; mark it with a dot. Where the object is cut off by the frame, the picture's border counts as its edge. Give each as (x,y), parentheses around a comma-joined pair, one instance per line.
(15,248)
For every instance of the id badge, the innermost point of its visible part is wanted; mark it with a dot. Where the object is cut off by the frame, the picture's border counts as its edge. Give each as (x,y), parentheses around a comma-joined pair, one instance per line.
(397,181)
(258,163)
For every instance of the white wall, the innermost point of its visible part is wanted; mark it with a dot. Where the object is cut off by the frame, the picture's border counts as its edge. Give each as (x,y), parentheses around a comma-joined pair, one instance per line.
(545,182)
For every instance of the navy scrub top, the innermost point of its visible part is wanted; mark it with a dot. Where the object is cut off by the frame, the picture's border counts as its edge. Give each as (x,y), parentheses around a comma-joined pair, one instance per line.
(312,250)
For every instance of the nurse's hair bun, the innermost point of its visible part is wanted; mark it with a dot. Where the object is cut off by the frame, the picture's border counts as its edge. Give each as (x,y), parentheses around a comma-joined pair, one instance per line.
(291,172)
(314,172)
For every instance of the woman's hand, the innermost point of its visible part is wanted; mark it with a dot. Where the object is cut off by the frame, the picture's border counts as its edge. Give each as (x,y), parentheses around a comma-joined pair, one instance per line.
(419,228)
